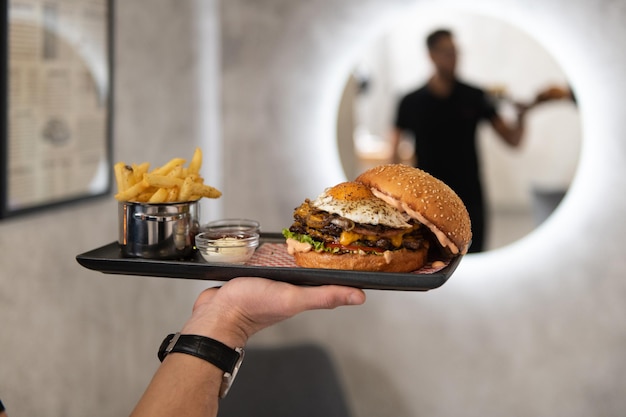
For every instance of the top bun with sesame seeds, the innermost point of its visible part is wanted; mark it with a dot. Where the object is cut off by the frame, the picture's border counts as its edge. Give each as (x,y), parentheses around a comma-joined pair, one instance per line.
(425,199)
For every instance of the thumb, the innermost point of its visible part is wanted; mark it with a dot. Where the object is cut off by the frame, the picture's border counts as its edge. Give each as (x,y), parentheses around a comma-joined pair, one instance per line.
(332,296)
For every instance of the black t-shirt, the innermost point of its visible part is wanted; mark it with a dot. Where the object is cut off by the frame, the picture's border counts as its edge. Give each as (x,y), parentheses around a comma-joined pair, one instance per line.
(445,135)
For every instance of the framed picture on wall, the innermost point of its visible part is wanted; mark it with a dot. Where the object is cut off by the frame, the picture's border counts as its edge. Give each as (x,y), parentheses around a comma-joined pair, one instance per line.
(56,101)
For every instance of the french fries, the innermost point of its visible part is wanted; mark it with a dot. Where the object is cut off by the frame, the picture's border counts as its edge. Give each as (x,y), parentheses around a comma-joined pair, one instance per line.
(169,183)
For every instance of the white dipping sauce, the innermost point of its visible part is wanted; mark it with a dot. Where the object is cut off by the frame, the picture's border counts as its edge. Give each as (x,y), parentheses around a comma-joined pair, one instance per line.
(228,250)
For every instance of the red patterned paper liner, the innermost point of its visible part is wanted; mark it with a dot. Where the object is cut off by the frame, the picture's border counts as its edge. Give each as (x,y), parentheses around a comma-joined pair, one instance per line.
(275,255)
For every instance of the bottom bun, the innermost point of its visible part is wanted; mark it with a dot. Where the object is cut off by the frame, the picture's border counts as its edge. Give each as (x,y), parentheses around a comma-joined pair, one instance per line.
(402,260)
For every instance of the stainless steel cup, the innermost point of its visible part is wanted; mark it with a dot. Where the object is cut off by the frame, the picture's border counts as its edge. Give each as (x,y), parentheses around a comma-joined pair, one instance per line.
(158,231)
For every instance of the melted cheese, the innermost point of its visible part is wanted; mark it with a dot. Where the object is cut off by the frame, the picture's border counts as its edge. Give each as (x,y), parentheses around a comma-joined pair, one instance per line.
(348,238)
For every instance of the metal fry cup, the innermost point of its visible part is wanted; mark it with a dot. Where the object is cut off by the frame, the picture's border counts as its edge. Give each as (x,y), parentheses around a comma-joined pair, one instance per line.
(158,231)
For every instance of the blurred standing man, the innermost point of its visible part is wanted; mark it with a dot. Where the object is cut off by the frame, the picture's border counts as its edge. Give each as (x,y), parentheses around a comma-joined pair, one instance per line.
(442,116)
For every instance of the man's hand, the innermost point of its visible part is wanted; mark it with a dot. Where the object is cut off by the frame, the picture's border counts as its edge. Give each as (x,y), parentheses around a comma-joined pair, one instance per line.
(244,306)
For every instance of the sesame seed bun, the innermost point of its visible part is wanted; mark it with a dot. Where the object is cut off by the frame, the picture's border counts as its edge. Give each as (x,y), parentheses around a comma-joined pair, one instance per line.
(426,199)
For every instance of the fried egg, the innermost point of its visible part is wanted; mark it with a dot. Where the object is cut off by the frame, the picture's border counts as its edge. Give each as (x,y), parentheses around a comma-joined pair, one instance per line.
(356,202)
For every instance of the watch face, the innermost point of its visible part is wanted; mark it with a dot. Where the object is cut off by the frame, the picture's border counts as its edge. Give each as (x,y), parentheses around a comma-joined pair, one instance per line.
(229,377)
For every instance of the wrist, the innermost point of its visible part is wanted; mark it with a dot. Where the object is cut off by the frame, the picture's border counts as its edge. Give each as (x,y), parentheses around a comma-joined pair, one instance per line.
(216,326)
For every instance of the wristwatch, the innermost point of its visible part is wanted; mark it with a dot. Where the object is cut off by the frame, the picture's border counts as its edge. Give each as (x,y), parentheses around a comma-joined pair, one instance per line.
(217,353)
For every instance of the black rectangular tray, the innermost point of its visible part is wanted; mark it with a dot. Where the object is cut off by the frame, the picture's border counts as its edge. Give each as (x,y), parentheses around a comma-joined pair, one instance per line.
(109,260)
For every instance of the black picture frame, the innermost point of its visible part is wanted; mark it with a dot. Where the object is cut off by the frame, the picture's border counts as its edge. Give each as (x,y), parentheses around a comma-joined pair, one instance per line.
(68,143)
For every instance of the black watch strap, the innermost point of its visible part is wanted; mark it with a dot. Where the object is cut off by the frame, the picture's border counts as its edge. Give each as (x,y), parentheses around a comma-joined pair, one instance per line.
(210,350)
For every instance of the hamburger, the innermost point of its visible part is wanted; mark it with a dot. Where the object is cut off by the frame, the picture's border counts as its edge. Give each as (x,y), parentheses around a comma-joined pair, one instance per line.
(391,218)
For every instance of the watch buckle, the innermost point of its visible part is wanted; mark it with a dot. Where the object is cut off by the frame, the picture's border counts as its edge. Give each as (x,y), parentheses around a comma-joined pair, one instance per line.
(229,377)
(172,343)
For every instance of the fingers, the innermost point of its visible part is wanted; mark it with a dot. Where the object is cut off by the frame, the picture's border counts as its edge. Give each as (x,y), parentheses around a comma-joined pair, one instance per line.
(275,301)
(285,299)
(299,298)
